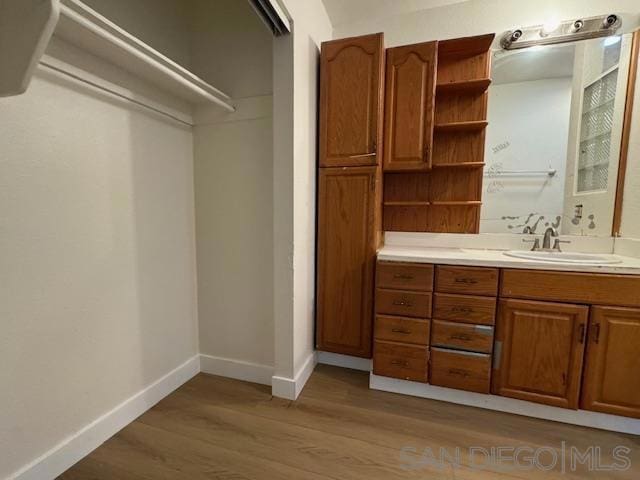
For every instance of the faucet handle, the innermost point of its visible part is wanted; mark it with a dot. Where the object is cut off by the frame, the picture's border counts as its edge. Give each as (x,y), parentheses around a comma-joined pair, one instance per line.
(556,244)
(536,243)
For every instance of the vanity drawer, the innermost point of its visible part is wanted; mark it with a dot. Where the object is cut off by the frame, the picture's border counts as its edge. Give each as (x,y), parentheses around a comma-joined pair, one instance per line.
(404,276)
(473,338)
(400,329)
(464,308)
(404,304)
(572,287)
(467,280)
(461,370)
(400,361)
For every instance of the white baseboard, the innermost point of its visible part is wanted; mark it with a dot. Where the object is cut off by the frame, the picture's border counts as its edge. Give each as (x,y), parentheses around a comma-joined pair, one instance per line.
(583,418)
(73,449)
(290,388)
(344,361)
(227,367)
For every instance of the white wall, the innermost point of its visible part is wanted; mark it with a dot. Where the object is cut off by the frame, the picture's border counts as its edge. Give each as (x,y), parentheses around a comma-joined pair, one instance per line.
(234,217)
(231,47)
(97,258)
(163,24)
(528,130)
(234,191)
(296,61)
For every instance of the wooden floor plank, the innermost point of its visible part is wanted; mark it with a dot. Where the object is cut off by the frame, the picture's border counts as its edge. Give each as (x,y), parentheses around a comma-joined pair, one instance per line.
(218,428)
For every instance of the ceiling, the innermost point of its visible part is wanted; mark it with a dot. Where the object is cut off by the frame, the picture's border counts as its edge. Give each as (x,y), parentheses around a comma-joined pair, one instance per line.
(348,11)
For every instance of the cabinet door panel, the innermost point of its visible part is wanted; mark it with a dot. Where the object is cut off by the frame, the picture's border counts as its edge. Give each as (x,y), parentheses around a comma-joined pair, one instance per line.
(612,375)
(539,351)
(351,79)
(410,102)
(346,255)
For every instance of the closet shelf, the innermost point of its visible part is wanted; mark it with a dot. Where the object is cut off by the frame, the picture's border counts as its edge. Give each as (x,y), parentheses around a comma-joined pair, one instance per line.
(461,126)
(466,86)
(459,165)
(87,29)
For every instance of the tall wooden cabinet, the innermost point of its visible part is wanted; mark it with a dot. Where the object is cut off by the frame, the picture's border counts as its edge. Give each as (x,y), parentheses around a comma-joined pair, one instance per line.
(351,79)
(612,374)
(541,351)
(349,189)
(346,253)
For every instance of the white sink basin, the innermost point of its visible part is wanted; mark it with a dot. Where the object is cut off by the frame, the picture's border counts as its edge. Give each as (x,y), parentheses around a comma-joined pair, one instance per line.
(566,257)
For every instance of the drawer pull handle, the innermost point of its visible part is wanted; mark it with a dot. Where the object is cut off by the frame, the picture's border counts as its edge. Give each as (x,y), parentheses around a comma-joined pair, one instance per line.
(460,336)
(583,331)
(402,303)
(466,281)
(462,310)
(400,363)
(458,372)
(403,276)
(402,331)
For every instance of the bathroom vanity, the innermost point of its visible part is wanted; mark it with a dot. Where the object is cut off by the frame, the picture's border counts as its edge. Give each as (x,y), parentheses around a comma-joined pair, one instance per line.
(516,329)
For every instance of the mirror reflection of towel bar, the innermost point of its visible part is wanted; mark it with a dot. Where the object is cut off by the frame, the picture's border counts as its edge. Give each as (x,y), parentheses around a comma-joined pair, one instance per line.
(551,172)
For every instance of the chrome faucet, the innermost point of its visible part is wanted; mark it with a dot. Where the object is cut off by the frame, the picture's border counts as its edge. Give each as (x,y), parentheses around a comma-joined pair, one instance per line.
(546,241)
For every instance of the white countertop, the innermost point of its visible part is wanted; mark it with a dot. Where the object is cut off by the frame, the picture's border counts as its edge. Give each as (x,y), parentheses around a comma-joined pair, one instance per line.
(497,258)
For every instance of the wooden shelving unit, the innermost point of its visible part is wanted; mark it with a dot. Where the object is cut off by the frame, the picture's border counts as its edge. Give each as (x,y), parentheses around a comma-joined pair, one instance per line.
(459,134)
(472,86)
(469,126)
(459,165)
(448,198)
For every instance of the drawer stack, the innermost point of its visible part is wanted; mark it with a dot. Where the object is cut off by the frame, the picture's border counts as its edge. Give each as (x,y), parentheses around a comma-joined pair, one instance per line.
(462,333)
(402,323)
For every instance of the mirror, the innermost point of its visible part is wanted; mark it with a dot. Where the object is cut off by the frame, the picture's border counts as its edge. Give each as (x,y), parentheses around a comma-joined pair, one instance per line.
(553,141)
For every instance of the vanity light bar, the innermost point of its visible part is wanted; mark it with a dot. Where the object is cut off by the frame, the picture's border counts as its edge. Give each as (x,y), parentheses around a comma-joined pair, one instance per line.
(569,31)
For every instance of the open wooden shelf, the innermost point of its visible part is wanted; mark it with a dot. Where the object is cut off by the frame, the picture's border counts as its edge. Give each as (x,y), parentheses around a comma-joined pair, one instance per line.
(465,86)
(456,203)
(406,204)
(471,126)
(87,29)
(459,165)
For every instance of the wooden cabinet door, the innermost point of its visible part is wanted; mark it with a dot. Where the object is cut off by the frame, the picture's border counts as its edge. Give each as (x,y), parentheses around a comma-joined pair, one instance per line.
(409,107)
(346,255)
(612,376)
(539,351)
(351,79)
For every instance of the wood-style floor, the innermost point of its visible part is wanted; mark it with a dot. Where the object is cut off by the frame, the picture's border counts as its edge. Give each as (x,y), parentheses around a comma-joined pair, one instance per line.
(220,429)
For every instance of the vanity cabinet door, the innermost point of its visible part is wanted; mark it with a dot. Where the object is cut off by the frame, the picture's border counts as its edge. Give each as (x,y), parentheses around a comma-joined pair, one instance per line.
(539,351)
(346,256)
(351,79)
(612,375)
(409,107)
